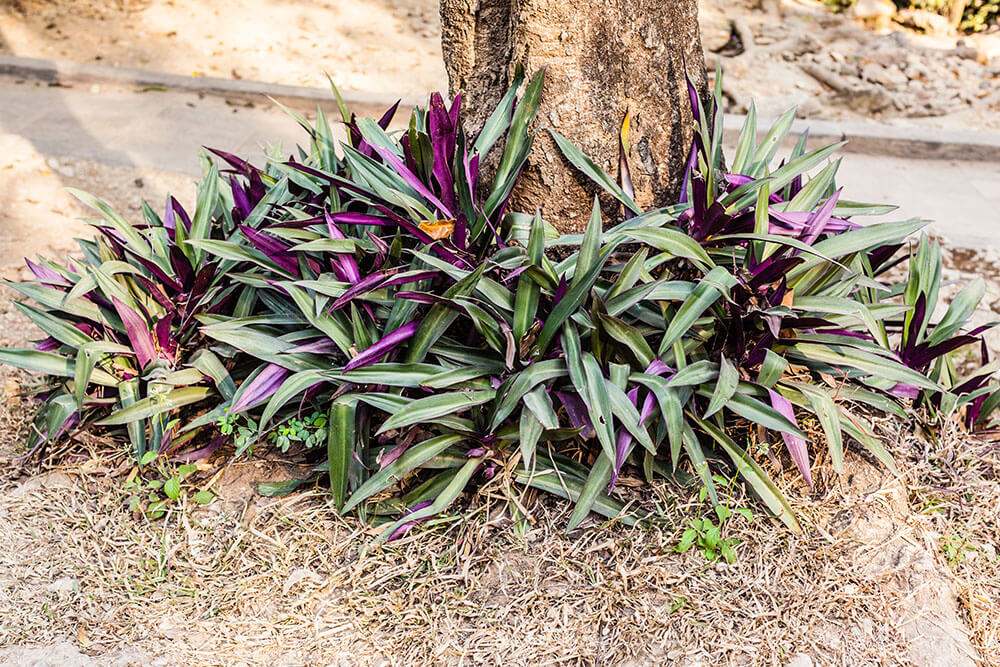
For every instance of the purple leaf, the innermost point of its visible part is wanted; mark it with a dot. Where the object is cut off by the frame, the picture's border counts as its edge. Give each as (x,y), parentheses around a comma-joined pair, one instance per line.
(381,247)
(320,346)
(820,219)
(796,446)
(688,171)
(275,250)
(202,453)
(404,528)
(240,165)
(352,218)
(240,198)
(386,118)
(163,334)
(137,331)
(46,275)
(379,349)
(902,390)
(737,180)
(47,345)
(624,442)
(657,367)
(442,133)
(455,112)
(348,267)
(794,222)
(174,207)
(560,292)
(179,262)
(411,179)
(366,284)
(261,387)
(576,410)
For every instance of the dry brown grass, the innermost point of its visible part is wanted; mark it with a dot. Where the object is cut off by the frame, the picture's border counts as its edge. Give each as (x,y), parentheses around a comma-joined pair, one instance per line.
(254,580)
(956,485)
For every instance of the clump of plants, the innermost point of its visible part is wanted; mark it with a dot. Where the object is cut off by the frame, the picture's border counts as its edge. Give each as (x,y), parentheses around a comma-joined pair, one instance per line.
(972,15)
(377,306)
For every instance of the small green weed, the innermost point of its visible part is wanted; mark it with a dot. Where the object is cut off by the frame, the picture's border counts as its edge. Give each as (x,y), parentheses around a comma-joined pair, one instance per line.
(706,535)
(311,431)
(156,486)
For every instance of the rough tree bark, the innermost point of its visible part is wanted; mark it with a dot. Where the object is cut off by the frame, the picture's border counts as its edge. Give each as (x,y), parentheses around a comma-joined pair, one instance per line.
(603,58)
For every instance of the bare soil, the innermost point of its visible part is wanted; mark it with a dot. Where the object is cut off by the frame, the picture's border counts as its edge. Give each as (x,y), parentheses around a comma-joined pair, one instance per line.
(386,46)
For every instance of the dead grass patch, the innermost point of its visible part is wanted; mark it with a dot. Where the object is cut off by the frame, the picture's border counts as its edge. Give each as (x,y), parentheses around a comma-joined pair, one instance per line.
(283,581)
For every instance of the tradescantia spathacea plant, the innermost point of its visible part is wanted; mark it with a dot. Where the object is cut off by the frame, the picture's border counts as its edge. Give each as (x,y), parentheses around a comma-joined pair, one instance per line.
(122,342)
(384,281)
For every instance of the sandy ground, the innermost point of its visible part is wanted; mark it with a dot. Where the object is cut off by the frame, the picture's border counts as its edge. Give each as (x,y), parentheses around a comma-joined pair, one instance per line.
(789,53)
(379,45)
(38,215)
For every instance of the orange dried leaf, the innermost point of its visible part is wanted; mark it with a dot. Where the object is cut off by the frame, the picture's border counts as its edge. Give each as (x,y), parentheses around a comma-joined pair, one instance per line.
(438,229)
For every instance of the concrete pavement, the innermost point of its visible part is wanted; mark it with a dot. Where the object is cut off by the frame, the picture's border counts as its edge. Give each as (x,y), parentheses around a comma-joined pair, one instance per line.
(166,129)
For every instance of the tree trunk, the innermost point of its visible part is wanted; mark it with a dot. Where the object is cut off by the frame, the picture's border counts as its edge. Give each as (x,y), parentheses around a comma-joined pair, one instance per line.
(603,59)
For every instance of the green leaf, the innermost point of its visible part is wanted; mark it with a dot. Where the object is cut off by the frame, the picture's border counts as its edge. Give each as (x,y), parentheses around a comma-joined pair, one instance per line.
(725,387)
(590,248)
(520,384)
(172,488)
(875,365)
(704,295)
(340,447)
(599,403)
(48,363)
(829,418)
(598,479)
(761,413)
(526,299)
(755,476)
(693,374)
(291,388)
(60,329)
(499,120)
(529,432)
(771,369)
(768,147)
(959,311)
(747,142)
(155,405)
(538,403)
(571,301)
(437,405)
(675,243)
(590,169)
(440,317)
(128,395)
(414,457)
(670,408)
(444,499)
(208,363)
(632,341)
(203,497)
(628,415)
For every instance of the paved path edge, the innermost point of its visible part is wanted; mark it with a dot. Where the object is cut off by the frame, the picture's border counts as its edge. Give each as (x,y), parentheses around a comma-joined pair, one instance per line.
(914,142)
(301,98)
